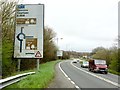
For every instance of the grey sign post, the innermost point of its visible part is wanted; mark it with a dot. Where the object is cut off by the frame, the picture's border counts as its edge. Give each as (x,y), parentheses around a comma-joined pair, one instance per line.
(19,61)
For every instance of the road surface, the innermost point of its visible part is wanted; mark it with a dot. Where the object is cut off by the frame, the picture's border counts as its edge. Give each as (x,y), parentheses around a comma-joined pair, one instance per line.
(82,78)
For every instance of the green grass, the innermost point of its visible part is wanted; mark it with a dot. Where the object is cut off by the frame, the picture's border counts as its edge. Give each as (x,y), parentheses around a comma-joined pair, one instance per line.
(39,80)
(113,72)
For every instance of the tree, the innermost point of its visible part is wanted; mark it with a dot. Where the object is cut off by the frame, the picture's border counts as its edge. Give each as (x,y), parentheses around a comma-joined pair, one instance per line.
(119,59)
(114,64)
(97,49)
(8,18)
(66,55)
(102,54)
(50,49)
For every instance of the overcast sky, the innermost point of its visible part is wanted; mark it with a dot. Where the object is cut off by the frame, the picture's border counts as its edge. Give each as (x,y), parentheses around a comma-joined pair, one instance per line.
(83,24)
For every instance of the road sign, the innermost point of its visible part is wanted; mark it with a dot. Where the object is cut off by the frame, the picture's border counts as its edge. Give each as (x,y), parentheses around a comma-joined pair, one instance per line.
(38,54)
(29,31)
(60,53)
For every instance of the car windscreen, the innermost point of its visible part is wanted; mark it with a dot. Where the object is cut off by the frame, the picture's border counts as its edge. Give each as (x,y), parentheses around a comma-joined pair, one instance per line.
(85,62)
(100,62)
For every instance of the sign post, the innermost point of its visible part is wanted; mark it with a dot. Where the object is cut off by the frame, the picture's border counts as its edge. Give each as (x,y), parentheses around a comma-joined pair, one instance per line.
(19,61)
(29,31)
(38,64)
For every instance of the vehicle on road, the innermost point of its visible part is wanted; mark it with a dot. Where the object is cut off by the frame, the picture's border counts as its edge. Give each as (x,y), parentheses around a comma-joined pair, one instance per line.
(84,64)
(74,61)
(78,60)
(98,66)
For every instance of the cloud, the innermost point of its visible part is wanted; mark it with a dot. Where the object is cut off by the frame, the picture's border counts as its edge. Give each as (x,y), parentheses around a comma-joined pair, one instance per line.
(83,24)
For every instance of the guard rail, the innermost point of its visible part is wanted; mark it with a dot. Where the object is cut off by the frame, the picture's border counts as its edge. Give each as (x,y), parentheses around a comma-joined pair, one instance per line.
(13,79)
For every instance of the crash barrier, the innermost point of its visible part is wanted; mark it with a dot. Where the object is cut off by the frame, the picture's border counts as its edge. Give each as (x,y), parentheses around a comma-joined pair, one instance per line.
(13,79)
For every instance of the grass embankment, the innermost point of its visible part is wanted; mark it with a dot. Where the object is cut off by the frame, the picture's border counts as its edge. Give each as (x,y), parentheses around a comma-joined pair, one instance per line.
(39,80)
(113,72)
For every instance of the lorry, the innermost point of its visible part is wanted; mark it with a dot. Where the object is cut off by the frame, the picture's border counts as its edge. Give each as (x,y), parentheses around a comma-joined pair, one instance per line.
(98,66)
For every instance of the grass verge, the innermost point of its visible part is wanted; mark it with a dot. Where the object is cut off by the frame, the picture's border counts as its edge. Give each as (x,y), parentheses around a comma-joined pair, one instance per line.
(39,80)
(113,72)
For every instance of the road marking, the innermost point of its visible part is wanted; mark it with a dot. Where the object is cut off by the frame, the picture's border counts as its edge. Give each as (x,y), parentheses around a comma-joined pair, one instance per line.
(76,86)
(69,79)
(62,70)
(67,76)
(114,83)
(72,82)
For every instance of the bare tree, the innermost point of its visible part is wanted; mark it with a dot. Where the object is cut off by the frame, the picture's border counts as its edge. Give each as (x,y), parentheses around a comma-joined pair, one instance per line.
(50,48)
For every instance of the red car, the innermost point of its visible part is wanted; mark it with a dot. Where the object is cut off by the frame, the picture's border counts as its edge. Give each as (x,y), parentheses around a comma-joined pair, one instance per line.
(98,66)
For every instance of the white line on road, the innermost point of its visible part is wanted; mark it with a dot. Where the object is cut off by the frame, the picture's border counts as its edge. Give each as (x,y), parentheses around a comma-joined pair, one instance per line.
(69,79)
(67,76)
(114,83)
(76,87)
(62,70)
(72,82)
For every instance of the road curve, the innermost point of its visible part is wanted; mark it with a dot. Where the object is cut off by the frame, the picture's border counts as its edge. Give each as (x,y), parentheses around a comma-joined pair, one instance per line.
(82,78)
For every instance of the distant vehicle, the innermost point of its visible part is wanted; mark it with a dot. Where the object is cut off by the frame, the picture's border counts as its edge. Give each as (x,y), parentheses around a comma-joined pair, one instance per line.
(78,60)
(74,61)
(98,66)
(85,64)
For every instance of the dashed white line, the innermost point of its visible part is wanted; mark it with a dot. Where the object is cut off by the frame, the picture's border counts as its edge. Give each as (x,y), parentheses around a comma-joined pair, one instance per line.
(114,83)
(76,86)
(69,79)
(67,76)
(72,82)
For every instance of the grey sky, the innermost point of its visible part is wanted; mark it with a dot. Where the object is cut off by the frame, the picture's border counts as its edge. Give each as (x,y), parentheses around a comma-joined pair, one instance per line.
(83,24)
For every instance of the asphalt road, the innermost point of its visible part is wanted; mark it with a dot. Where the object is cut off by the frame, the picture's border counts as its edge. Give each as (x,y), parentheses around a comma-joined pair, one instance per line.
(60,81)
(82,78)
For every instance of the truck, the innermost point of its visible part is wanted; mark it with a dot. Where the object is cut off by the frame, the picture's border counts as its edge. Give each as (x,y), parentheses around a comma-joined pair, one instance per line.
(98,66)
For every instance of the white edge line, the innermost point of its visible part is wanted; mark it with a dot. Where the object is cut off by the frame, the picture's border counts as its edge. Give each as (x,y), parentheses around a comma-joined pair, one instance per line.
(72,82)
(76,86)
(114,83)
(69,79)
(62,70)
(67,76)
